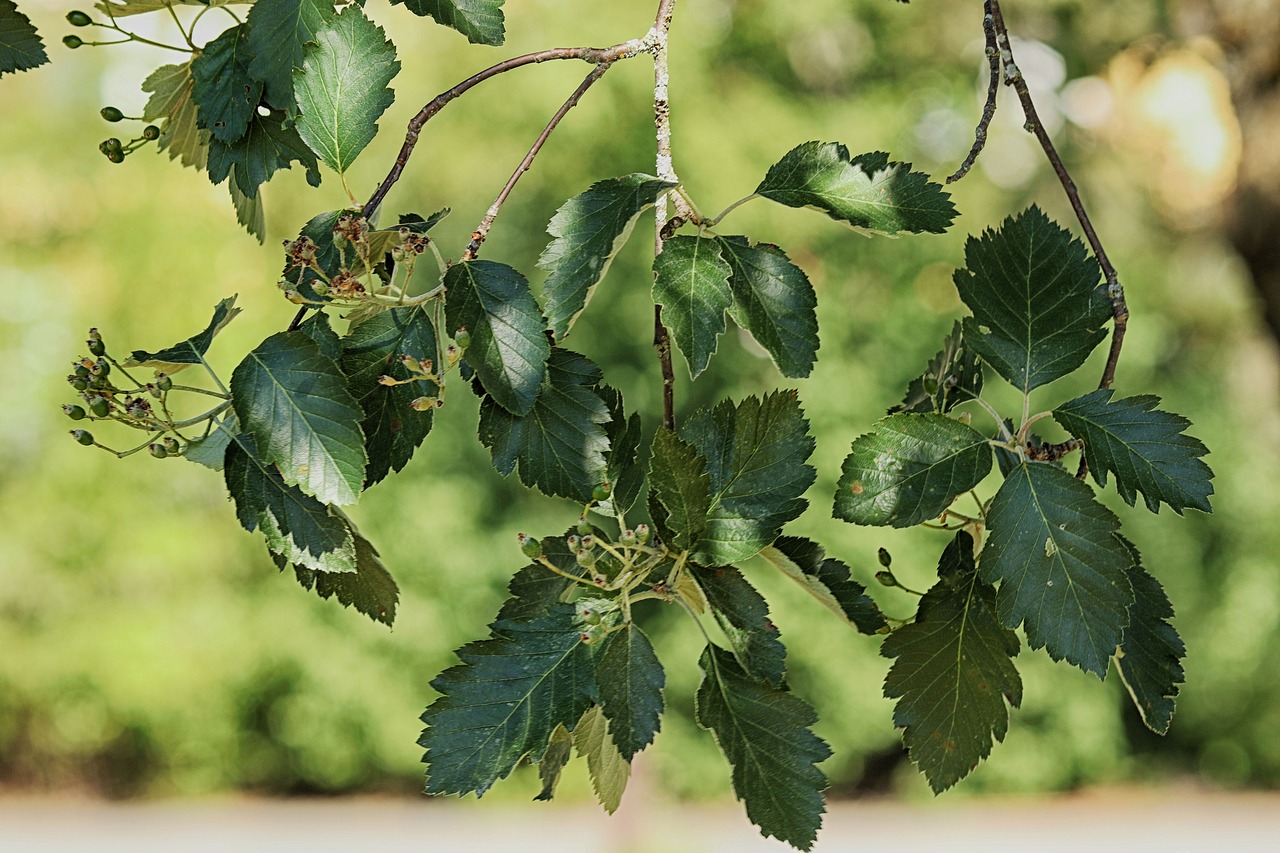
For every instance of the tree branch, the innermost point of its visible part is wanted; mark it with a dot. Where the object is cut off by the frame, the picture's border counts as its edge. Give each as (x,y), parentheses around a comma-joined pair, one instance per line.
(666,170)
(989,108)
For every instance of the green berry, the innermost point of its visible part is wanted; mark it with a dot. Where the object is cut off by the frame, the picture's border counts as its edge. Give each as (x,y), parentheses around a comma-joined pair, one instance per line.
(83,436)
(100,407)
(78,382)
(171,444)
(151,132)
(885,558)
(586,558)
(531,547)
(78,19)
(462,338)
(97,347)
(101,367)
(628,537)
(82,371)
(574,542)
(115,156)
(72,41)
(642,534)
(601,492)
(584,527)
(158,450)
(886,578)
(76,413)
(111,114)
(113,144)
(163,381)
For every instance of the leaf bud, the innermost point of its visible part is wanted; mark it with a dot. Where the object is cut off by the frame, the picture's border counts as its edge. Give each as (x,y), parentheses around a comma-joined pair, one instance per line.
(462,338)
(423,404)
(531,547)
(151,132)
(111,114)
(78,19)
(83,436)
(76,413)
(157,450)
(584,527)
(601,492)
(628,537)
(72,41)
(886,578)
(885,558)
(100,407)
(164,382)
(642,534)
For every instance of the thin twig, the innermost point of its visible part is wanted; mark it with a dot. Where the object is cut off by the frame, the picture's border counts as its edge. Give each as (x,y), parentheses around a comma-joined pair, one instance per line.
(478,236)
(666,171)
(993,86)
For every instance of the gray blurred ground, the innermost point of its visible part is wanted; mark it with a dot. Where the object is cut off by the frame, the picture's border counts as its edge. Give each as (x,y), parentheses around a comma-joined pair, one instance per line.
(1179,820)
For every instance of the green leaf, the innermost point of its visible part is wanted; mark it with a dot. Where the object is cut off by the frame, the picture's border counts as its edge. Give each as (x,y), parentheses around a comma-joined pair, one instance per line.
(755,454)
(508,348)
(866,191)
(21,47)
(370,589)
(624,470)
(504,700)
(953,376)
(953,672)
(1063,574)
(125,8)
(827,580)
(318,328)
(559,748)
(1145,448)
(171,99)
(1150,657)
(295,403)
(535,589)
(299,528)
(341,87)
(559,445)
(392,428)
(743,615)
(328,256)
(909,469)
(279,30)
(765,733)
(774,301)
(1038,309)
(249,211)
(211,451)
(589,229)
(479,20)
(226,95)
(679,481)
(691,283)
(269,145)
(631,681)
(609,769)
(183,354)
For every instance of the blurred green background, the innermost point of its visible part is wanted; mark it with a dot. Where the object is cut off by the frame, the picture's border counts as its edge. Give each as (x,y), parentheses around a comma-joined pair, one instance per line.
(151,648)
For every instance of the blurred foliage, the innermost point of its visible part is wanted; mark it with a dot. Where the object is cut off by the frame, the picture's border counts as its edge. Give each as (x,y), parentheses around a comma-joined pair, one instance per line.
(150,647)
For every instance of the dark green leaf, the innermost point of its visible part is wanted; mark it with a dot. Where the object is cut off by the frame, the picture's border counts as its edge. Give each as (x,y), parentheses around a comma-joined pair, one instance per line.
(691,283)
(1151,652)
(535,589)
(765,733)
(295,403)
(299,528)
(328,256)
(609,769)
(953,376)
(1145,448)
(508,348)
(318,328)
(1038,310)
(909,469)
(211,451)
(560,443)
(559,748)
(370,589)
(392,428)
(631,681)
(226,95)
(341,87)
(625,473)
(183,354)
(419,224)
(679,481)
(505,699)
(589,229)
(827,580)
(21,47)
(249,211)
(953,672)
(774,301)
(479,20)
(755,454)
(743,615)
(866,191)
(171,99)
(1063,574)
(269,145)
(278,32)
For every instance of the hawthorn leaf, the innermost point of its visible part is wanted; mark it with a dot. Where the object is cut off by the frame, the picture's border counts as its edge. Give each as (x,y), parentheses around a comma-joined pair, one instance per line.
(535,589)
(1150,656)
(370,589)
(678,480)
(170,87)
(279,30)
(419,224)
(1063,574)
(319,329)
(183,354)
(953,376)
(392,428)
(743,615)
(589,230)
(756,453)
(867,192)
(774,301)
(294,402)
(909,469)
(953,672)
(508,348)
(631,681)
(765,733)
(609,769)
(560,444)
(505,699)
(1038,308)
(691,283)
(827,580)
(1146,449)
(624,470)
(211,451)
(481,21)
(226,94)
(249,211)
(21,47)
(341,87)
(269,145)
(559,749)
(297,527)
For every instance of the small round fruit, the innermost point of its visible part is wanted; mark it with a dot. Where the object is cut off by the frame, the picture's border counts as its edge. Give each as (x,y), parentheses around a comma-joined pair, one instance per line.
(584,527)
(601,492)
(158,450)
(83,436)
(97,347)
(163,381)
(100,407)
(462,338)
(78,19)
(111,114)
(115,156)
(76,413)
(531,547)
(151,132)
(885,558)
(72,41)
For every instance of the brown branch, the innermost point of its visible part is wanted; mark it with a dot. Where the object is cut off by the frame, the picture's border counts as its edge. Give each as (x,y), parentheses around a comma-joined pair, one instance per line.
(478,236)
(662,343)
(666,170)
(993,87)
